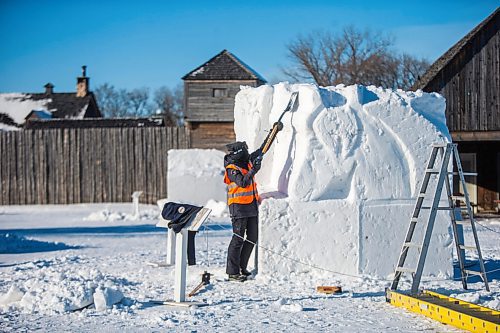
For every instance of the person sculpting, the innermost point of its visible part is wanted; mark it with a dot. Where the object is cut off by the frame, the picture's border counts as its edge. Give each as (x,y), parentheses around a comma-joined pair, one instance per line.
(243,202)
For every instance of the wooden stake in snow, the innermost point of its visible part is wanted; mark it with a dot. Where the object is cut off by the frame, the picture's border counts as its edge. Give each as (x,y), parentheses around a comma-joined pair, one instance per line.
(135,202)
(329,289)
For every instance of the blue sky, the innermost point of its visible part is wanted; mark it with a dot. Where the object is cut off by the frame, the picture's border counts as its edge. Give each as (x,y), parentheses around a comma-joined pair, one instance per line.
(133,44)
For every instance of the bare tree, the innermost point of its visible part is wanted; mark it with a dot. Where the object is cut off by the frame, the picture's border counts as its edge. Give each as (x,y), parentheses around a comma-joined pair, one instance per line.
(411,70)
(353,56)
(110,101)
(169,102)
(138,102)
(115,103)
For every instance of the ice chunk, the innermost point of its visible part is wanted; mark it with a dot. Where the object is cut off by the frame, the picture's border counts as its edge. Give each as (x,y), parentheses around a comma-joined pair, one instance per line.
(104,298)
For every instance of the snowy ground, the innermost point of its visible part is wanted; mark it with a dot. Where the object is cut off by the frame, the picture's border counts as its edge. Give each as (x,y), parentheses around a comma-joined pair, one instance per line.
(56,257)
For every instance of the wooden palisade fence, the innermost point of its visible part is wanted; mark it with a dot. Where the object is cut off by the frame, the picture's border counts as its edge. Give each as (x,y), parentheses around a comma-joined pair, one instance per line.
(84,165)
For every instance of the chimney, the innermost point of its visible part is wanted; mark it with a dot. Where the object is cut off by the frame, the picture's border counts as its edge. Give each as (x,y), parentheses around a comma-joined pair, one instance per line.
(49,88)
(82,83)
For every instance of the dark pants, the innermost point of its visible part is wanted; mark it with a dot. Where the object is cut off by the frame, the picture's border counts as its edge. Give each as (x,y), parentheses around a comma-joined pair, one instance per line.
(191,250)
(239,250)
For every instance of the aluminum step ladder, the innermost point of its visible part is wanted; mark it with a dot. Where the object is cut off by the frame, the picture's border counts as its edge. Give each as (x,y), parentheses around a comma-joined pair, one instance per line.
(437,167)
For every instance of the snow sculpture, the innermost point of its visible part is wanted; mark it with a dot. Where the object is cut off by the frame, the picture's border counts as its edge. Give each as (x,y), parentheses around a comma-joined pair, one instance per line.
(339,184)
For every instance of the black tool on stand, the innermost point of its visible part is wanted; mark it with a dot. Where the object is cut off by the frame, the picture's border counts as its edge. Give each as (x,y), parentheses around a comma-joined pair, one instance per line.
(205,280)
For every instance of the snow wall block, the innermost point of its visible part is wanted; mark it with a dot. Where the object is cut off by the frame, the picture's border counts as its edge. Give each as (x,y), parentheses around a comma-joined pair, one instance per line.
(196,176)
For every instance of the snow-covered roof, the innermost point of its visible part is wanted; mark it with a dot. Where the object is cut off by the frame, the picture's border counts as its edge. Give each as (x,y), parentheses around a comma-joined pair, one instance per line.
(18,106)
(39,114)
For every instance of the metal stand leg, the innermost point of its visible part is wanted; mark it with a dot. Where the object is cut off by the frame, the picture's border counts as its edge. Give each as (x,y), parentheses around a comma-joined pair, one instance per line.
(171,247)
(180,266)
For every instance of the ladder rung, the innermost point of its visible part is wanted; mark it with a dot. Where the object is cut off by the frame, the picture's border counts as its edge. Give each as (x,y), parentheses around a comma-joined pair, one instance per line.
(463,222)
(439,145)
(436,171)
(438,208)
(414,220)
(405,270)
(472,272)
(410,244)
(465,247)
(458,197)
(463,173)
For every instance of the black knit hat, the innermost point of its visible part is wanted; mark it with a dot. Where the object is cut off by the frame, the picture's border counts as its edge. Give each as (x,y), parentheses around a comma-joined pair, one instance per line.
(237,146)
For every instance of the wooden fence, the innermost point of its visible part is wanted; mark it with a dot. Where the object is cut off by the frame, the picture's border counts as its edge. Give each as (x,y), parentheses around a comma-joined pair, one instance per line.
(84,165)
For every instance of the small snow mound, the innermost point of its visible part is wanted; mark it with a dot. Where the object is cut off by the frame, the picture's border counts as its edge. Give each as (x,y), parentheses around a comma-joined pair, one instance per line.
(110,216)
(12,243)
(294,307)
(281,301)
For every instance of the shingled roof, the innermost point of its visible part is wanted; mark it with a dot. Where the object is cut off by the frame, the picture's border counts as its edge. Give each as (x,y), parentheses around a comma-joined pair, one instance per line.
(445,59)
(67,105)
(224,66)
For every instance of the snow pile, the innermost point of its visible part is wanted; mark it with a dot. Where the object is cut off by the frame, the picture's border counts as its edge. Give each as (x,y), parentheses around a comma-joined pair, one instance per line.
(18,106)
(53,290)
(341,177)
(195,176)
(12,243)
(106,215)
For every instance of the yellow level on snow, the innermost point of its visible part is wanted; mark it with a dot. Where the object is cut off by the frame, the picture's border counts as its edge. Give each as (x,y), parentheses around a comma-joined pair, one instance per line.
(448,310)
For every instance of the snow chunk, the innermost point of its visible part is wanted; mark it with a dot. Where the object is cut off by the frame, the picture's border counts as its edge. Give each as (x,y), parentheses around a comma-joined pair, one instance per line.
(15,294)
(294,307)
(105,298)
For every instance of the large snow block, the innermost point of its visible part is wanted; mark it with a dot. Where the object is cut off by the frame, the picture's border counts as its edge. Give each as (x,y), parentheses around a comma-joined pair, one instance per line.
(196,176)
(343,175)
(364,238)
(382,229)
(323,235)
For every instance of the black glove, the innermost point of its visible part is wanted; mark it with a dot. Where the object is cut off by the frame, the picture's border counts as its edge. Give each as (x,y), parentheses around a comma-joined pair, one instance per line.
(256,163)
(279,124)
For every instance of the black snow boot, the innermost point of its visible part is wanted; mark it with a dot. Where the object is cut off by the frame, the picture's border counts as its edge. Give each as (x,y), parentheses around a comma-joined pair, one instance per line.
(245,272)
(237,277)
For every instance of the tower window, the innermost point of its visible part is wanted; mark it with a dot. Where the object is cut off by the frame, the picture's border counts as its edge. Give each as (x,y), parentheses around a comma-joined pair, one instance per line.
(219,92)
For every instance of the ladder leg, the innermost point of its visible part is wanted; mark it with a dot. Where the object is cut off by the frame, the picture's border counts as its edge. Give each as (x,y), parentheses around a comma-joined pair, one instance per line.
(415,215)
(430,224)
(456,235)
(471,216)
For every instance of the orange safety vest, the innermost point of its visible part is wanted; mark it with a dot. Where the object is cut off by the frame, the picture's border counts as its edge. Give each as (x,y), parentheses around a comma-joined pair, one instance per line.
(237,194)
